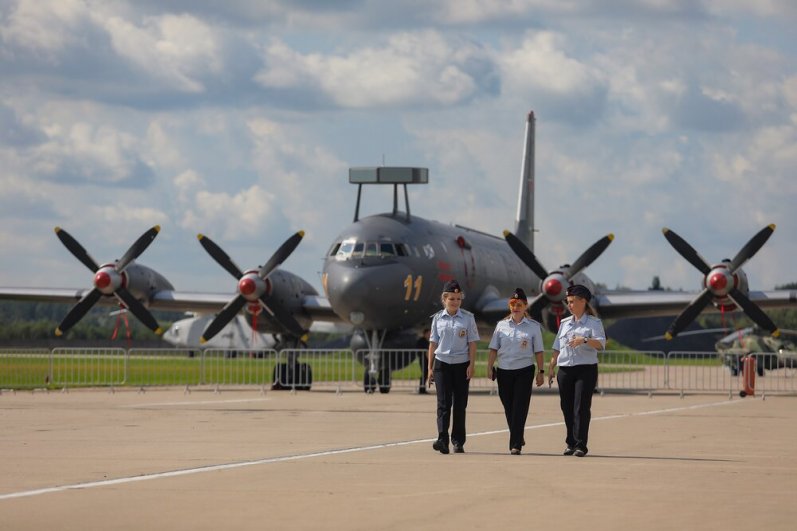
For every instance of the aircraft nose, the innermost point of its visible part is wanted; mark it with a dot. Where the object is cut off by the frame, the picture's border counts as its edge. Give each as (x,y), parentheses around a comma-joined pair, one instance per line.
(370,297)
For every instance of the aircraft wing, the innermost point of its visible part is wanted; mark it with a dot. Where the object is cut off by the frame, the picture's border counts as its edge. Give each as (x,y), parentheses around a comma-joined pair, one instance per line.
(315,306)
(614,305)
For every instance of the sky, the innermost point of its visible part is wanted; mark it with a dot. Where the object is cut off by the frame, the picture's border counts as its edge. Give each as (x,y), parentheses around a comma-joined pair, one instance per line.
(239,120)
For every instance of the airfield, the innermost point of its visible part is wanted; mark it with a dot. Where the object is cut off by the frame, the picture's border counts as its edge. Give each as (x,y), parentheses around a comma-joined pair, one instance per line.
(244,459)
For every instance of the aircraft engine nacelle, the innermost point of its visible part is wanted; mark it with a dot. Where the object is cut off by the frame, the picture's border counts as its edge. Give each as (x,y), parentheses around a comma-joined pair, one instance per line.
(557,308)
(720,281)
(142,282)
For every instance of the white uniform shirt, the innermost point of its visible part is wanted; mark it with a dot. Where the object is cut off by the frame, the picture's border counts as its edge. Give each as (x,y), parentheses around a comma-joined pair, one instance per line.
(452,333)
(589,327)
(517,343)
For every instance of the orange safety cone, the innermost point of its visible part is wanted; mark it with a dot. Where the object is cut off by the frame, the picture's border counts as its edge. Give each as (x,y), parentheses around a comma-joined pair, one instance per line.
(748,376)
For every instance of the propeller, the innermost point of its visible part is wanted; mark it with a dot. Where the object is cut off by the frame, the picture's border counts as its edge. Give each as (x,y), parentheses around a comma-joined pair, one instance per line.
(109,279)
(553,285)
(720,281)
(253,287)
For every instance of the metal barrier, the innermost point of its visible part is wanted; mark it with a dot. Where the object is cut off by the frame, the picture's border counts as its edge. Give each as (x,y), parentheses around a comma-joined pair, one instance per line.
(342,369)
(631,370)
(699,371)
(304,369)
(87,367)
(25,368)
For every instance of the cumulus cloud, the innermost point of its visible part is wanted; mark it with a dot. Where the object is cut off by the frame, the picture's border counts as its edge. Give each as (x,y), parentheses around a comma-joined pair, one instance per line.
(541,70)
(179,49)
(422,68)
(45,27)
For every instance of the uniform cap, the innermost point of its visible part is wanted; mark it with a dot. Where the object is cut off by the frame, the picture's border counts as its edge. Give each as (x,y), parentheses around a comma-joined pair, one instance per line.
(452,286)
(519,294)
(578,290)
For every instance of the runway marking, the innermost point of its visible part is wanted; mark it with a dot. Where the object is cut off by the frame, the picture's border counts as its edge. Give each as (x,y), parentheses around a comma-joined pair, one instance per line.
(283,459)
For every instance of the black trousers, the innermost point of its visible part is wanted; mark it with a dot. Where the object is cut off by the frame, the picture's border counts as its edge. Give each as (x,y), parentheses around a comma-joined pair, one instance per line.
(576,386)
(451,382)
(514,389)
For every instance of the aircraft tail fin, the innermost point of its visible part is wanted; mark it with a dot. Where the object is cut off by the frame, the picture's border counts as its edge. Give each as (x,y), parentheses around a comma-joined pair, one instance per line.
(524,222)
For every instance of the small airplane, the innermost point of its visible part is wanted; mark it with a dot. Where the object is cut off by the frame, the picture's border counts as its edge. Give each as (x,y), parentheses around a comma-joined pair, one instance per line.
(771,352)
(384,273)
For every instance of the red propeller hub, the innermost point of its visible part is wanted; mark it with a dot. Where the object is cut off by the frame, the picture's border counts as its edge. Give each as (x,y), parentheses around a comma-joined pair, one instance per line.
(247,286)
(717,281)
(720,281)
(552,287)
(102,280)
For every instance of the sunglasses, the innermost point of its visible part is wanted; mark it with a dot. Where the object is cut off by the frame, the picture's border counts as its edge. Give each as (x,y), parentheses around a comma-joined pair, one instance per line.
(517,302)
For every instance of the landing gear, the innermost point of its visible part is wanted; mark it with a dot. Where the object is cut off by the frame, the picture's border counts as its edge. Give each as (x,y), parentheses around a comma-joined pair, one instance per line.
(370,384)
(292,374)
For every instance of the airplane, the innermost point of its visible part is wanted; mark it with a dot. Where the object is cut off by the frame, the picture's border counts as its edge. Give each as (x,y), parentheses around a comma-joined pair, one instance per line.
(383,275)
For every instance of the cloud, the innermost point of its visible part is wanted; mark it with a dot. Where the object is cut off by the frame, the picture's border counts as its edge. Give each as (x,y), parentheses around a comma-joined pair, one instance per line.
(176,49)
(45,27)
(410,69)
(540,70)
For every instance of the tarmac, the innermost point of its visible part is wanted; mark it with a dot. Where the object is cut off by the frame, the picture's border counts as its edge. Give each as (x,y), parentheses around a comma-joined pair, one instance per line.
(243,459)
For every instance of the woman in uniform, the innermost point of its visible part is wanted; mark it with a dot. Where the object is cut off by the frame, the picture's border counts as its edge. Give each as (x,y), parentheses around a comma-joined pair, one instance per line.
(516,342)
(575,350)
(452,357)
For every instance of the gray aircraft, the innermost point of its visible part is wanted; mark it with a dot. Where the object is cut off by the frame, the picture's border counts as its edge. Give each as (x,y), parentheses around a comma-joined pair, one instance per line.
(383,275)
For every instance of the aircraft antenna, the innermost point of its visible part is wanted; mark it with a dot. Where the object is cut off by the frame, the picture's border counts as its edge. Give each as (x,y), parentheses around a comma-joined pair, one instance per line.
(387,175)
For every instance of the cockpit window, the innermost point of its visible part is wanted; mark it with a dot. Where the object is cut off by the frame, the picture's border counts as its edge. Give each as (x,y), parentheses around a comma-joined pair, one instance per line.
(345,249)
(354,249)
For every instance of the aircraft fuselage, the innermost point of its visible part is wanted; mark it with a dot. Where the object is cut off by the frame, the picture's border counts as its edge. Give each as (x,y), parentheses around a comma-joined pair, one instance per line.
(387,272)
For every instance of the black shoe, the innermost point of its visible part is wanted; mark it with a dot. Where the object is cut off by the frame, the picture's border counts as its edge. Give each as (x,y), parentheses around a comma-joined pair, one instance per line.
(422,391)
(515,451)
(580,453)
(440,446)
(569,451)
(458,449)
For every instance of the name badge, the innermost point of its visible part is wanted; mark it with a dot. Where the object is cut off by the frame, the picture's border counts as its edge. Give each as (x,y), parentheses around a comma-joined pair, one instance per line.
(524,344)
(463,333)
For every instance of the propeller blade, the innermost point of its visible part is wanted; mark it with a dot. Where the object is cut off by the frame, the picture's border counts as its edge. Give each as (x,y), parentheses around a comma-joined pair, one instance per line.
(751,247)
(525,254)
(222,258)
(283,317)
(538,305)
(226,314)
(688,314)
(752,311)
(686,250)
(590,255)
(139,310)
(78,311)
(137,248)
(281,254)
(76,249)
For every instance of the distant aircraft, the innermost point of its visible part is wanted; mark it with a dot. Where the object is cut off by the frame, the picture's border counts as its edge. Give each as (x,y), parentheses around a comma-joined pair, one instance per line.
(235,335)
(771,352)
(383,276)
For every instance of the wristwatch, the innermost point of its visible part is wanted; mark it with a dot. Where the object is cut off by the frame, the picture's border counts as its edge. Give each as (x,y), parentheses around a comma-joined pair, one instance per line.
(585,340)
(542,371)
